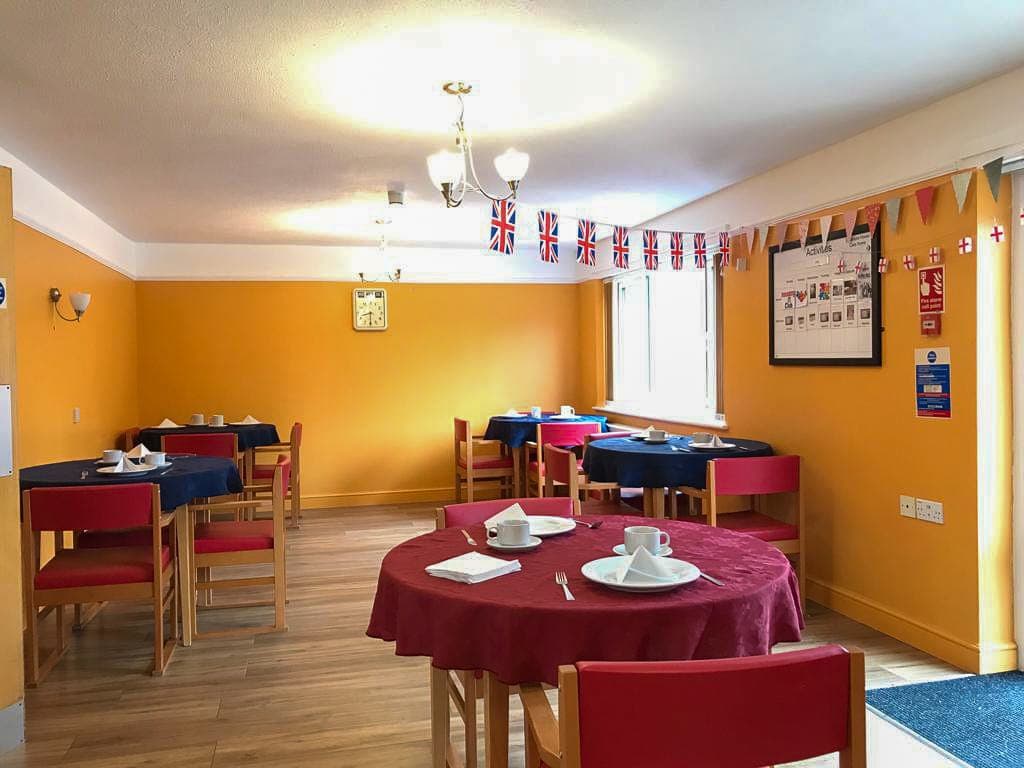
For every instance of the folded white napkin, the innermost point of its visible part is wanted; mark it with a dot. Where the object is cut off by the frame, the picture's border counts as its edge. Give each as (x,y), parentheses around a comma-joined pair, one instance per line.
(515,512)
(644,568)
(473,568)
(249,420)
(166,424)
(125,465)
(716,441)
(512,412)
(645,432)
(138,452)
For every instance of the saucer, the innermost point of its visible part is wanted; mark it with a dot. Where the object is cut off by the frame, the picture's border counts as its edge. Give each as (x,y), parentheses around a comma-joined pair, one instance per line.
(532,544)
(656,441)
(620,549)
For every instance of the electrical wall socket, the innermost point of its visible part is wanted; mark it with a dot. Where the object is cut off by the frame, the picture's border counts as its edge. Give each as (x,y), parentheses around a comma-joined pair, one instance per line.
(930,511)
(908,506)
(76,415)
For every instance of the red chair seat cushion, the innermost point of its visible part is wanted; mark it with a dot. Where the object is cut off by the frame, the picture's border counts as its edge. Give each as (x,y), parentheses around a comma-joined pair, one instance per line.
(488,462)
(99,567)
(263,471)
(533,466)
(234,536)
(122,537)
(758,525)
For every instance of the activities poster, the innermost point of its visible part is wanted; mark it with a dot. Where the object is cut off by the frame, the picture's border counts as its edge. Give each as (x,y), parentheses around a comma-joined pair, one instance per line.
(823,309)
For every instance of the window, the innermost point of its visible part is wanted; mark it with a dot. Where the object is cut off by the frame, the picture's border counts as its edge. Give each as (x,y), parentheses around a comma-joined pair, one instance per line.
(664,344)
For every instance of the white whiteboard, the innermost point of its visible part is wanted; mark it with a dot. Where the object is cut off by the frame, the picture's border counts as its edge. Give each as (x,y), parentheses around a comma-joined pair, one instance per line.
(821,315)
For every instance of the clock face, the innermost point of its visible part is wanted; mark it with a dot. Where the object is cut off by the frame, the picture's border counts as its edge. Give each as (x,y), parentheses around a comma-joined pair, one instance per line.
(369,309)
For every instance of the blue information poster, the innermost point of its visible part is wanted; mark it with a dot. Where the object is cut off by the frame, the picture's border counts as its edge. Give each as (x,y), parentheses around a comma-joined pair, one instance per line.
(931,376)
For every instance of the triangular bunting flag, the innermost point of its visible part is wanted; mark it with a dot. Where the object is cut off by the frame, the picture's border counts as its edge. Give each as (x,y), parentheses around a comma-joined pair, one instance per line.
(762,233)
(849,222)
(802,228)
(961,183)
(892,212)
(780,233)
(826,225)
(925,197)
(749,234)
(871,214)
(994,173)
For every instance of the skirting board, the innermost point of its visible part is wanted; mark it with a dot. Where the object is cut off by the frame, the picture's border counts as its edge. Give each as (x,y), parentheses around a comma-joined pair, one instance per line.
(12,726)
(371,498)
(970,657)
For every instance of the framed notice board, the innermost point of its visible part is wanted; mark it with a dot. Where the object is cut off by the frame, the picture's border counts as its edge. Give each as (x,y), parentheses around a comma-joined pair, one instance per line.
(819,314)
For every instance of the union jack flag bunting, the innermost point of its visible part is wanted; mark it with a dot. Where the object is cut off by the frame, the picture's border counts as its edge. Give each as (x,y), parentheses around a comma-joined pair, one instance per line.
(620,247)
(650,249)
(503,226)
(700,250)
(586,243)
(547,225)
(723,249)
(675,249)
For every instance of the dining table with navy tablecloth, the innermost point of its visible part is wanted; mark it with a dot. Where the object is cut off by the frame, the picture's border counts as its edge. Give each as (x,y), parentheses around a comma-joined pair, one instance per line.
(249,435)
(635,463)
(519,628)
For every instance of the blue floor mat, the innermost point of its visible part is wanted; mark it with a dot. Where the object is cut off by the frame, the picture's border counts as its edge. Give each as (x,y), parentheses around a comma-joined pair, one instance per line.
(978,719)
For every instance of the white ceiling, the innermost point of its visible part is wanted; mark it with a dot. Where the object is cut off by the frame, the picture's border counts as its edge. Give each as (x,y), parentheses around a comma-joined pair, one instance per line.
(230,121)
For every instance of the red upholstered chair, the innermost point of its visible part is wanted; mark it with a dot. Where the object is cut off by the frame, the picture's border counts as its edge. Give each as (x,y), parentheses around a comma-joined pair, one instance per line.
(760,477)
(634,497)
(263,474)
(471,470)
(243,542)
(569,434)
(464,687)
(217,444)
(81,576)
(562,468)
(729,713)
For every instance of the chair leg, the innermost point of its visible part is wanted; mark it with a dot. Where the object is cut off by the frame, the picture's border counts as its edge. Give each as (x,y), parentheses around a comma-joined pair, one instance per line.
(32,641)
(158,628)
(458,488)
(469,488)
(469,685)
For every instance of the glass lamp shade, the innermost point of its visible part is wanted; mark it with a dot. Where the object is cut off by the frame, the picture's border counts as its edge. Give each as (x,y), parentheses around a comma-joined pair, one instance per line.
(445,167)
(511,165)
(80,302)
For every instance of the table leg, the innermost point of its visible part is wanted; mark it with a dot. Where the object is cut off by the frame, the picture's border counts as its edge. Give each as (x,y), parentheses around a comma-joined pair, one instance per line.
(495,722)
(654,503)
(517,471)
(182,522)
(440,724)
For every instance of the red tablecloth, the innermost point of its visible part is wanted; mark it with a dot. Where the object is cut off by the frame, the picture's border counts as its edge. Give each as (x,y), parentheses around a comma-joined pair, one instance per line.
(521,628)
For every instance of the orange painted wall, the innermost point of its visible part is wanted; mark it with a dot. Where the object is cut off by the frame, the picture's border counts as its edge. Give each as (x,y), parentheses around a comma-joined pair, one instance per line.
(377,407)
(92,364)
(863,446)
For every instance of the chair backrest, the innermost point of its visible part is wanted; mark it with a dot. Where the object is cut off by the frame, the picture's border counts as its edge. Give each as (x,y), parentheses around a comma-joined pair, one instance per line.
(755,476)
(588,439)
(560,465)
(92,507)
(129,438)
(296,437)
(475,512)
(282,480)
(729,713)
(566,434)
(462,431)
(218,444)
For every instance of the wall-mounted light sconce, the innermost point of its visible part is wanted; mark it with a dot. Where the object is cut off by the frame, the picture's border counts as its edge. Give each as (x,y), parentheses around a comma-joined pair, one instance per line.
(79,303)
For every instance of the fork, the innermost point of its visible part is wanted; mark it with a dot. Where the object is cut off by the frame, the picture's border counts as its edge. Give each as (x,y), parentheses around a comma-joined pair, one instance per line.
(562,579)
(592,526)
(469,538)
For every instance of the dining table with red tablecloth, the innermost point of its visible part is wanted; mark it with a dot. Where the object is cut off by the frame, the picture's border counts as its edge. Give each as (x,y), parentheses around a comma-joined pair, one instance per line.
(519,628)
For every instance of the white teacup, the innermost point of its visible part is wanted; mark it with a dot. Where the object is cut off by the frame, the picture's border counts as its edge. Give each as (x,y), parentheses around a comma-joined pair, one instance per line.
(646,536)
(112,456)
(657,434)
(511,533)
(536,412)
(701,437)
(197,419)
(155,458)
(567,410)
(217,420)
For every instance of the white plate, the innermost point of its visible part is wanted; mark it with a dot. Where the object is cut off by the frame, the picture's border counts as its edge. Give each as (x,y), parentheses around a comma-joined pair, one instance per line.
(654,441)
(560,417)
(711,447)
(533,544)
(138,471)
(243,423)
(545,525)
(604,570)
(176,426)
(620,549)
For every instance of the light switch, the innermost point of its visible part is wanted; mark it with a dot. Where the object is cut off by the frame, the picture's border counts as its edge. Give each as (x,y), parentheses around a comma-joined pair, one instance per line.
(76,415)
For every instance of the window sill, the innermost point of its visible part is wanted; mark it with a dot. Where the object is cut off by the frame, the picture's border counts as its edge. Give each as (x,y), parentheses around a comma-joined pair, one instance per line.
(707,421)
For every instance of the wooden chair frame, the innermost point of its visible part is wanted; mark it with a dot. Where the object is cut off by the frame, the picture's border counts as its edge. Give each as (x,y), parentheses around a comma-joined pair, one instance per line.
(556,741)
(200,563)
(503,477)
(294,495)
(162,591)
(578,484)
(534,478)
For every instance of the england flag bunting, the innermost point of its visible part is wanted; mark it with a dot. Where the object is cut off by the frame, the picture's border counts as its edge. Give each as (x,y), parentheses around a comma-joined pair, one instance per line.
(620,247)
(675,250)
(650,249)
(700,250)
(586,243)
(547,225)
(723,249)
(503,226)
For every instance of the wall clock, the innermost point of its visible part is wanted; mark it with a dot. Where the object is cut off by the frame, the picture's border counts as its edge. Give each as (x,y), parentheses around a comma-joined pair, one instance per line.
(369,309)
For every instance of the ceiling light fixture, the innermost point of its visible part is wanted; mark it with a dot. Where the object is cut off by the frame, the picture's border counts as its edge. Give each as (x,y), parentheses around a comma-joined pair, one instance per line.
(453,173)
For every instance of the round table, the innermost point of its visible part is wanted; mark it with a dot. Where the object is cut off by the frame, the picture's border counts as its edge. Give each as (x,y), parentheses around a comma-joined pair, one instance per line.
(516,431)
(519,627)
(187,478)
(249,435)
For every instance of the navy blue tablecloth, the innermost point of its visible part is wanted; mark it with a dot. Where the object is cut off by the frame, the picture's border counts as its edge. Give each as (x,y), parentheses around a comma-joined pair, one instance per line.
(636,464)
(188,478)
(249,435)
(514,431)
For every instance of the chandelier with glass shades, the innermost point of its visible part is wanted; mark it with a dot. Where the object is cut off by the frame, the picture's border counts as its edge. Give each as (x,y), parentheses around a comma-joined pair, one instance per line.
(454,172)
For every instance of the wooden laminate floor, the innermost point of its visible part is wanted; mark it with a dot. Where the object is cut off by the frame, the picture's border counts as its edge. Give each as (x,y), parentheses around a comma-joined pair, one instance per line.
(321,694)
